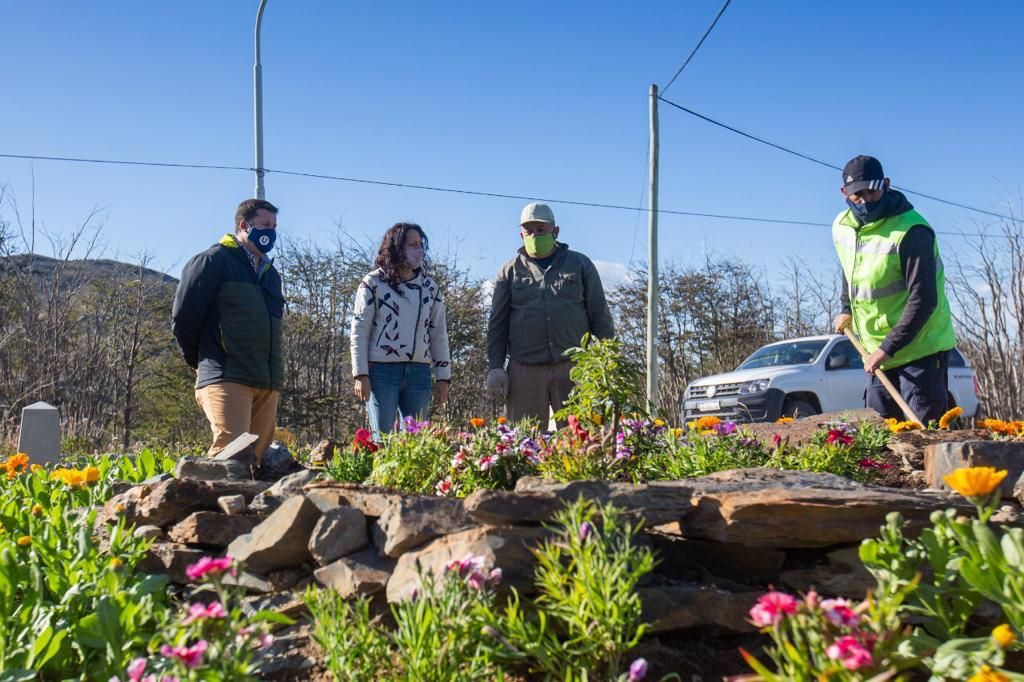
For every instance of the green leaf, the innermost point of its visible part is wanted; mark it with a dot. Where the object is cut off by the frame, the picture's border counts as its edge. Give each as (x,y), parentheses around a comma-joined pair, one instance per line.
(271,617)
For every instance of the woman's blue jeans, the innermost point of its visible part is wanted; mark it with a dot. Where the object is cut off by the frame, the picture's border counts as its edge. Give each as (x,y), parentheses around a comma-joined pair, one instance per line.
(397,390)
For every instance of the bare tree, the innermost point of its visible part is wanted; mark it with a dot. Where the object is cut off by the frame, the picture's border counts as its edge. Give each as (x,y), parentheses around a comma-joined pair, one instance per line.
(987,290)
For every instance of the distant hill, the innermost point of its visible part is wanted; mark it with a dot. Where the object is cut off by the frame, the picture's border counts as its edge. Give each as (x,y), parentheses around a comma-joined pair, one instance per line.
(96,269)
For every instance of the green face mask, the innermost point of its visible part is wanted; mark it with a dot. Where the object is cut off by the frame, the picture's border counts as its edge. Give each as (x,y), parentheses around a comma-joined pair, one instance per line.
(539,245)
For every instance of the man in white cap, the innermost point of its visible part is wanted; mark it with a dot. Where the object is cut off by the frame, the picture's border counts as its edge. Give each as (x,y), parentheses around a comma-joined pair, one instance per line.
(545,300)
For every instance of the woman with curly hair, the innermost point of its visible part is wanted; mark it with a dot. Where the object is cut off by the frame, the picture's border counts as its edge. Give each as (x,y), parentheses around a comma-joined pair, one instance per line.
(399,332)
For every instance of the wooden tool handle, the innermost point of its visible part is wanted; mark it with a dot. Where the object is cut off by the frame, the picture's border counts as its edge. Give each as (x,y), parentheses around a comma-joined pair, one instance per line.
(880,375)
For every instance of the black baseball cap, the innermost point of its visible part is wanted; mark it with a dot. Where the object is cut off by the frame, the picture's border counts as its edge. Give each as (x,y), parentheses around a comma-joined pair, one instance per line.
(861,173)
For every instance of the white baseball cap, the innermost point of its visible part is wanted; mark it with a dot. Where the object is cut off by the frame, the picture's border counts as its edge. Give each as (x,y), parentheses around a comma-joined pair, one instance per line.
(536,212)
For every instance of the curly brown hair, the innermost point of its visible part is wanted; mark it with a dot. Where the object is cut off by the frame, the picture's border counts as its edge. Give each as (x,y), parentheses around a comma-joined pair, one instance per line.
(391,256)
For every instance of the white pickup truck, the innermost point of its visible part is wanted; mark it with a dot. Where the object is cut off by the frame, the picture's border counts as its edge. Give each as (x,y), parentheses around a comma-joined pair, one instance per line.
(799,377)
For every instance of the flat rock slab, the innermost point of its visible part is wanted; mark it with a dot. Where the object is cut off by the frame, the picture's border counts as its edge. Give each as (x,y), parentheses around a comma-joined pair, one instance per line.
(538,500)
(910,445)
(941,459)
(289,486)
(281,540)
(242,450)
(372,500)
(788,509)
(671,608)
(211,528)
(698,560)
(507,548)
(207,469)
(358,575)
(841,574)
(171,500)
(412,521)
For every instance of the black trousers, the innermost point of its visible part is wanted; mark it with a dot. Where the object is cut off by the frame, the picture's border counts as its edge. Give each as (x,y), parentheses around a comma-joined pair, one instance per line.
(923,383)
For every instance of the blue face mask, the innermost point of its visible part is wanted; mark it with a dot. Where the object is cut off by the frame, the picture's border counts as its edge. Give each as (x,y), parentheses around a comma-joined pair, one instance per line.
(866,212)
(262,238)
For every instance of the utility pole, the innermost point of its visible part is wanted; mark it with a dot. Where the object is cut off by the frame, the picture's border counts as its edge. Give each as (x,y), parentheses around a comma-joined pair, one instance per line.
(652,260)
(257,76)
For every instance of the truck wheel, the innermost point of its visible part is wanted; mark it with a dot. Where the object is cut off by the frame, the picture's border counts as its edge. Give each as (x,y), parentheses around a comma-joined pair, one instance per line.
(797,409)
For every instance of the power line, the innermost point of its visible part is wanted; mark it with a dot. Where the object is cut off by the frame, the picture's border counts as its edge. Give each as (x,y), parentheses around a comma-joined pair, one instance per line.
(431,188)
(697,47)
(827,164)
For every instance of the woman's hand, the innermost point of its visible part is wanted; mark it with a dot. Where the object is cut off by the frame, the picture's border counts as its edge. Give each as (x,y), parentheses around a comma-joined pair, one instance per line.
(361,389)
(441,392)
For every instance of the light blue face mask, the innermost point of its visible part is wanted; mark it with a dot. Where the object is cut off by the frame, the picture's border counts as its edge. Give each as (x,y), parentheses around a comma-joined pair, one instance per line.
(262,238)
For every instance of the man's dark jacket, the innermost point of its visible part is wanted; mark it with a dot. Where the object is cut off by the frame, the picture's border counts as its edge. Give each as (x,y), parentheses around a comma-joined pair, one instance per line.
(227,318)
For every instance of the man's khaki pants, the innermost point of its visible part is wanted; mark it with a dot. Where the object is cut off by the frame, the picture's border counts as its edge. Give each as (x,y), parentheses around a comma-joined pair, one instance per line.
(534,389)
(234,409)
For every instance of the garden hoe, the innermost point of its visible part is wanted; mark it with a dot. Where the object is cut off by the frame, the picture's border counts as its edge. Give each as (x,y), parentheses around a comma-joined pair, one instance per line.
(884,379)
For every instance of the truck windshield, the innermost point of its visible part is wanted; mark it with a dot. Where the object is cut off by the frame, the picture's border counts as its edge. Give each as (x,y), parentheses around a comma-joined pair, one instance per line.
(779,354)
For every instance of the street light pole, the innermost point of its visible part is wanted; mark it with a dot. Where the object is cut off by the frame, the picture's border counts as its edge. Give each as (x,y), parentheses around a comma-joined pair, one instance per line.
(257,75)
(652,258)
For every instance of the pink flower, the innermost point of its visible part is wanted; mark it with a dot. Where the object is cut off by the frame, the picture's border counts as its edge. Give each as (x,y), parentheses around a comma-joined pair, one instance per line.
(266,641)
(209,565)
(136,669)
(776,440)
(459,458)
(771,607)
(838,436)
(638,670)
(467,565)
(495,576)
(444,487)
(486,462)
(811,599)
(191,656)
(201,612)
(839,612)
(476,580)
(850,652)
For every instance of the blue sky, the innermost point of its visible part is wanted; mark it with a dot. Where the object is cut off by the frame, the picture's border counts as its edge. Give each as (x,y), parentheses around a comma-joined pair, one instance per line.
(528,98)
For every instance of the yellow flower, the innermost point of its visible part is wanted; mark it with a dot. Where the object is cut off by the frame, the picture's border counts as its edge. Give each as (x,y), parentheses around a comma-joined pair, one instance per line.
(115,564)
(1003,635)
(36,467)
(784,420)
(91,474)
(946,419)
(659,422)
(975,481)
(119,508)
(677,433)
(476,422)
(69,477)
(897,426)
(37,509)
(987,674)
(24,541)
(596,418)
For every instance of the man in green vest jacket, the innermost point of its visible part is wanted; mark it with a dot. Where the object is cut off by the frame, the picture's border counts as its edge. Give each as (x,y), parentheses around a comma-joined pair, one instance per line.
(894,292)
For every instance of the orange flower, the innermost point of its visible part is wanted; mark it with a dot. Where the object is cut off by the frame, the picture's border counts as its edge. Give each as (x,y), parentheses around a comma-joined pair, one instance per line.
(37,509)
(896,426)
(24,541)
(15,464)
(946,419)
(502,420)
(91,474)
(975,481)
(476,422)
(69,477)
(705,423)
(987,674)
(784,420)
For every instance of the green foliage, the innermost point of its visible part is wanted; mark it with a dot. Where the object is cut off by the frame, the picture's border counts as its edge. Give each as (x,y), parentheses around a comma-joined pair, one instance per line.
(946,573)
(606,384)
(412,458)
(585,618)
(70,604)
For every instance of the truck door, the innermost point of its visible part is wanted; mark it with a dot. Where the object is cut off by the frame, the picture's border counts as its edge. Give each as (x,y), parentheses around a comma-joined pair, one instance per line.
(845,379)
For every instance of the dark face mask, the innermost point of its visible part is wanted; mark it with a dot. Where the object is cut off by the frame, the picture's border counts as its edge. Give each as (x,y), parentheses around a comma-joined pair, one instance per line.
(867,212)
(262,238)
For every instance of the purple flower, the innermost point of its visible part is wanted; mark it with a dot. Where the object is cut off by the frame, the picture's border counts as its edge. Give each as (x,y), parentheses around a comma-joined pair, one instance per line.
(413,426)
(725,428)
(638,670)
(586,530)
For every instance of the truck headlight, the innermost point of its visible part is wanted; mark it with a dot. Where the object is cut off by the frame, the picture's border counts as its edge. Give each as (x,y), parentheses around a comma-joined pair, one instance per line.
(755,386)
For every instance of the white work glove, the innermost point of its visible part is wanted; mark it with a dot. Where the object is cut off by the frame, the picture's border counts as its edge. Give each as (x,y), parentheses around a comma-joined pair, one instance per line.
(497,383)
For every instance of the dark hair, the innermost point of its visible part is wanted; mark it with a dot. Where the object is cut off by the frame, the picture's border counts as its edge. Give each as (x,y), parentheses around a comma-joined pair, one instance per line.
(248,209)
(390,256)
